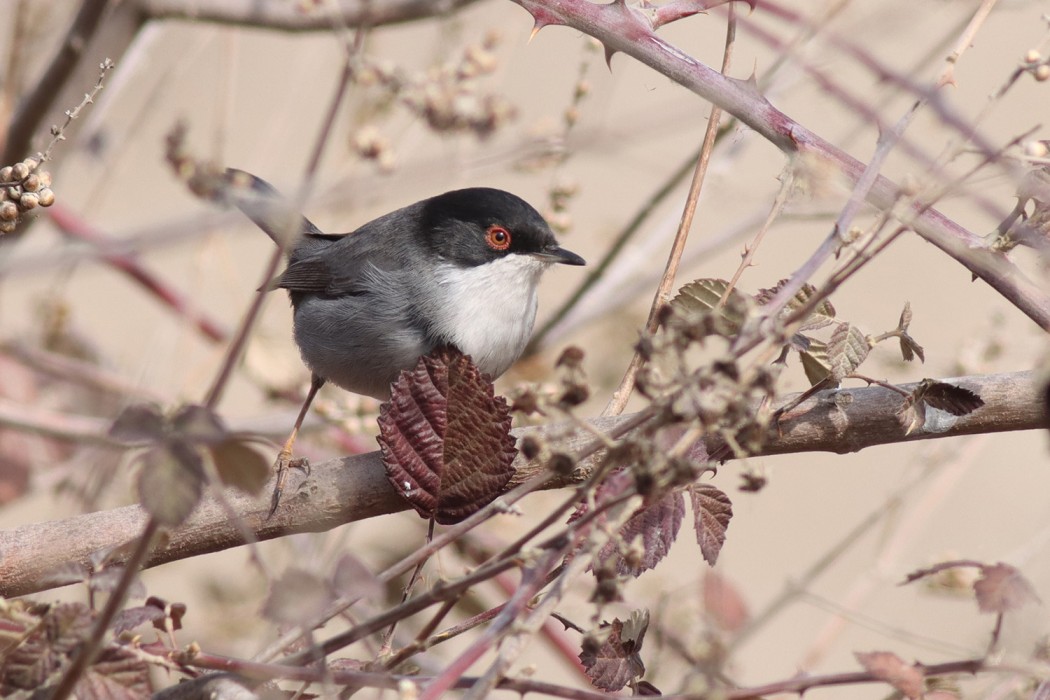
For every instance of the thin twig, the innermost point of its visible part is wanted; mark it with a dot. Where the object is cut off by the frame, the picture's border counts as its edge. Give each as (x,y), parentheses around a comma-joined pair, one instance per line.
(663,291)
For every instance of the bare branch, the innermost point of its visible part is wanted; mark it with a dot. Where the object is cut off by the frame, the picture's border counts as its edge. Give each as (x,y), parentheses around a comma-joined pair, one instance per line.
(356,488)
(290,17)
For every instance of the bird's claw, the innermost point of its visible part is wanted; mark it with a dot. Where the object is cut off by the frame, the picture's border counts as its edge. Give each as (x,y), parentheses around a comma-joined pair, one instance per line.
(283,463)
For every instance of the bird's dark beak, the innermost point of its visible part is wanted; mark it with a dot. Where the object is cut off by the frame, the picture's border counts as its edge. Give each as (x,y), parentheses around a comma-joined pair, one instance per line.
(557,254)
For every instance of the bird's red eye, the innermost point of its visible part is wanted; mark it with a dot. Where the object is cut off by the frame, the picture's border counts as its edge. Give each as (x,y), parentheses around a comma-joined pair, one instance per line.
(497,237)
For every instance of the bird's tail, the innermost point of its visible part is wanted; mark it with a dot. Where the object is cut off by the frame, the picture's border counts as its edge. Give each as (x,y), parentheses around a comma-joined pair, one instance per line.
(267,207)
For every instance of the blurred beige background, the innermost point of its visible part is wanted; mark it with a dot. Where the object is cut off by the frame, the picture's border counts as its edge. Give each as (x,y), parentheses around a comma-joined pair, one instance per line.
(254,99)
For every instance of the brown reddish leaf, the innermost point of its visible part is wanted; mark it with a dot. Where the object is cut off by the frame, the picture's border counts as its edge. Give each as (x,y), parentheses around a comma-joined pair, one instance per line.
(49,644)
(847,349)
(1002,588)
(115,677)
(297,597)
(198,424)
(953,399)
(712,511)
(723,603)
(612,659)
(911,414)
(353,579)
(703,295)
(911,349)
(445,438)
(138,423)
(239,465)
(821,316)
(656,524)
(171,482)
(815,361)
(887,666)
(130,618)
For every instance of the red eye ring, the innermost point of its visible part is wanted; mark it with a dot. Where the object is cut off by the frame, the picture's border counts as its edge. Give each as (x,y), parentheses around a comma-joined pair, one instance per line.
(497,237)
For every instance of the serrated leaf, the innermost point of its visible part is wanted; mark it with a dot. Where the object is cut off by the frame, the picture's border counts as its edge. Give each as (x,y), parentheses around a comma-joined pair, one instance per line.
(703,295)
(138,423)
(656,524)
(910,349)
(887,666)
(822,315)
(445,438)
(130,618)
(905,319)
(723,603)
(353,578)
(239,465)
(712,511)
(198,424)
(297,597)
(47,647)
(614,662)
(911,414)
(815,362)
(171,482)
(115,676)
(1002,588)
(847,349)
(950,398)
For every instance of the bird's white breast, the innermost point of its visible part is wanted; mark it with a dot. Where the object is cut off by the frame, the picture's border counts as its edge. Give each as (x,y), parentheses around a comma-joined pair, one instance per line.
(487,311)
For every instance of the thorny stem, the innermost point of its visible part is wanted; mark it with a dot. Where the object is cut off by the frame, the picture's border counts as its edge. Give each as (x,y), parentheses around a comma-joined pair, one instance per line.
(663,290)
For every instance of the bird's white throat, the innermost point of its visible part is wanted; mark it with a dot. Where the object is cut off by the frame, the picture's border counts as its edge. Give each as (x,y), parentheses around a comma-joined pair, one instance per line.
(488,310)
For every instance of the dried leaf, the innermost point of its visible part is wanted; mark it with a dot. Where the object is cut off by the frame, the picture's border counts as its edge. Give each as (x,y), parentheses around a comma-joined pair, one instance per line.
(712,511)
(911,414)
(821,316)
(445,438)
(138,423)
(30,664)
(115,676)
(703,295)
(905,319)
(910,349)
(297,598)
(887,666)
(723,603)
(171,482)
(198,424)
(1002,588)
(815,362)
(947,397)
(612,664)
(239,465)
(656,524)
(353,578)
(130,618)
(847,349)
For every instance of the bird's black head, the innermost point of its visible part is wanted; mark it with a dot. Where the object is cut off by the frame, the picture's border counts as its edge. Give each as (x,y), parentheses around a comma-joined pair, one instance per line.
(478,225)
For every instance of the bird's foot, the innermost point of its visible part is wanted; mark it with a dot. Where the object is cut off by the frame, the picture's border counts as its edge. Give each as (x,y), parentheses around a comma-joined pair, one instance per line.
(284,462)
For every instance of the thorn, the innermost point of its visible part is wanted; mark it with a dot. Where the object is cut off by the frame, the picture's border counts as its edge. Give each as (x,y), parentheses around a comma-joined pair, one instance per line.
(608,56)
(535,30)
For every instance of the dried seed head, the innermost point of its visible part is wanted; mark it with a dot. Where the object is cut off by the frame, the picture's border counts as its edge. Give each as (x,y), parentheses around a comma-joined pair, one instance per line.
(1035,149)
(29,200)
(7,226)
(32,183)
(8,211)
(1042,72)
(31,163)
(19,171)
(5,174)
(1032,56)
(47,197)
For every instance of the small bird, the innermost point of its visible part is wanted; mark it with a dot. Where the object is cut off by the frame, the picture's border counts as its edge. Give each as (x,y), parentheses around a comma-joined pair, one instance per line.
(459,269)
